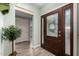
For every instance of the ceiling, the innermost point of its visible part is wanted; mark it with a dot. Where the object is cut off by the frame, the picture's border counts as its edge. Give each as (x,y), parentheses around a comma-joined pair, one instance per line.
(21,14)
(39,5)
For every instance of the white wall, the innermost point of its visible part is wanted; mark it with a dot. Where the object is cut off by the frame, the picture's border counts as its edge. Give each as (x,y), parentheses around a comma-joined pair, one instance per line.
(9,19)
(1,25)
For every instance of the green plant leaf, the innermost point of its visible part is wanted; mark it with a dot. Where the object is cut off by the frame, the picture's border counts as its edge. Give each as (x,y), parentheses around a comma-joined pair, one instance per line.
(11,33)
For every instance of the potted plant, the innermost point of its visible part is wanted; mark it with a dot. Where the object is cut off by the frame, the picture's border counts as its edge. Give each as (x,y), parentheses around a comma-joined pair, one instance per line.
(11,33)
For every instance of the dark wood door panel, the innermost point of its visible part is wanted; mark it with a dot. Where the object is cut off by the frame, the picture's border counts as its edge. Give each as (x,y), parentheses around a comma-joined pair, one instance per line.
(51,43)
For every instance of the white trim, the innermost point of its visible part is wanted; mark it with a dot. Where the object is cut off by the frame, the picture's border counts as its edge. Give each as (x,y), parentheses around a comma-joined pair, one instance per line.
(75,29)
(74,25)
(36,46)
(24,10)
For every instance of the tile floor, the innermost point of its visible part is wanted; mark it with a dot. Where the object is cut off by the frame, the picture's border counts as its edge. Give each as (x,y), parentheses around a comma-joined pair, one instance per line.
(23,49)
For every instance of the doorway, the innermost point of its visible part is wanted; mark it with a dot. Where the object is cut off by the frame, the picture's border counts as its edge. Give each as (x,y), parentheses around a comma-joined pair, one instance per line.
(57,31)
(24,22)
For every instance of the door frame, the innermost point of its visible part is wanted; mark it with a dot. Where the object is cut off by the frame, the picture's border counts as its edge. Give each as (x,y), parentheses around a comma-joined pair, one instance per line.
(74,25)
(28,12)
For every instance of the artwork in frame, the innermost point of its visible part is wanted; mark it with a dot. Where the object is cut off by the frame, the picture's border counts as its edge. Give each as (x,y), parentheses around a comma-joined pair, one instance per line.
(52,25)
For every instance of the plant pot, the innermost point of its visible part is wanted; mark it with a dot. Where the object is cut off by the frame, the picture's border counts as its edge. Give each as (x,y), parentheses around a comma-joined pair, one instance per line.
(13,54)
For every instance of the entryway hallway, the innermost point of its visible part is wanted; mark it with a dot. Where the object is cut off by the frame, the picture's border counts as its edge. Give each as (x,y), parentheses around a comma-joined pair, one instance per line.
(47,33)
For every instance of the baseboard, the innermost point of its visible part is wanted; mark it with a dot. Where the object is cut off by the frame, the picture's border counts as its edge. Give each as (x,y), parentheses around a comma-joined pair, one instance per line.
(36,46)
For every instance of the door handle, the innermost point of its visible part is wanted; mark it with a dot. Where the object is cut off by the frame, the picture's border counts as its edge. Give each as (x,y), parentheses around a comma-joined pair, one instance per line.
(59,31)
(59,35)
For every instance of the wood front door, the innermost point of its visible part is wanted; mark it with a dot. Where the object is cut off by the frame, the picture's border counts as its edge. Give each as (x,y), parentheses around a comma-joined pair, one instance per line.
(53,31)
